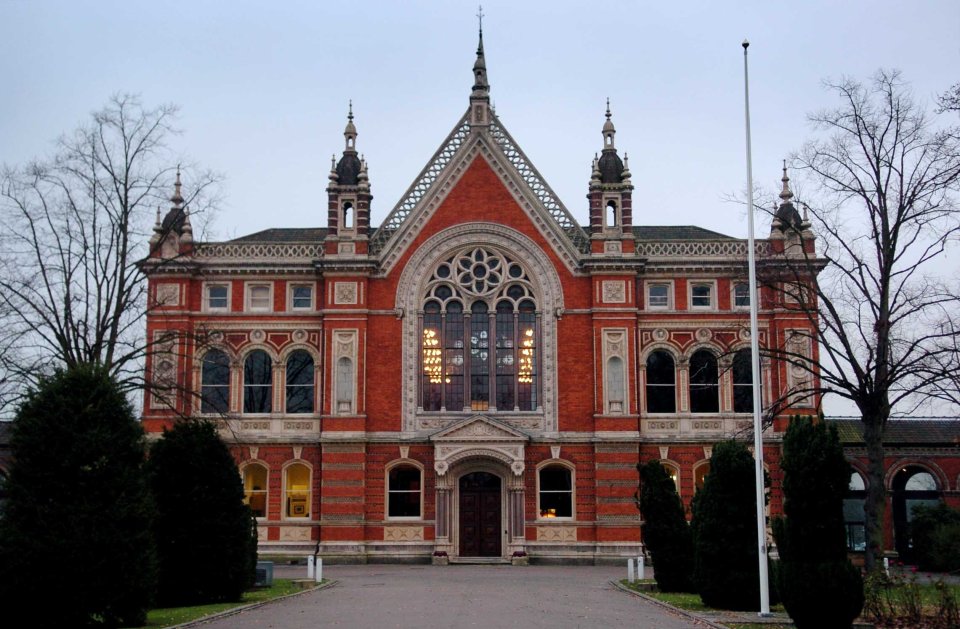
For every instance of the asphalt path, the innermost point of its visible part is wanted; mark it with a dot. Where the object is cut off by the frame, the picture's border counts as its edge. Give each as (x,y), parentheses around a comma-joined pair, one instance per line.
(460,596)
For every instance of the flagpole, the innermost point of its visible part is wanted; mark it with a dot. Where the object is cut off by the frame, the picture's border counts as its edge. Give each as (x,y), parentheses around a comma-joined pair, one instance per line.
(755,362)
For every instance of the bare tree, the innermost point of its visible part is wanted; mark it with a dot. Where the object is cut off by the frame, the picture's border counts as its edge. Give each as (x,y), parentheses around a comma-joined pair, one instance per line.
(885,308)
(73,229)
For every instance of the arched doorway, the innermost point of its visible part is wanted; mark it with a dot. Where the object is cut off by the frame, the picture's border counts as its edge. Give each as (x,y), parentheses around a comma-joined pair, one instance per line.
(480,515)
(912,486)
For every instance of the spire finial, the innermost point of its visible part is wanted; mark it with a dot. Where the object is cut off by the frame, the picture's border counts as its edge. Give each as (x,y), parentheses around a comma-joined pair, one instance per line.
(785,194)
(480,86)
(350,132)
(177,198)
(608,108)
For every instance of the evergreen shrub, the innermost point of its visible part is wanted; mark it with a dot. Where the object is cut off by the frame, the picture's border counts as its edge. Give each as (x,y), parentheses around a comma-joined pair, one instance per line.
(936,538)
(725,531)
(75,542)
(666,533)
(818,584)
(205,534)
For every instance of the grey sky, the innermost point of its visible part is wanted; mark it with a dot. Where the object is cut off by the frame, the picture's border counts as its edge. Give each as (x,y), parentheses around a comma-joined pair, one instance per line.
(264,87)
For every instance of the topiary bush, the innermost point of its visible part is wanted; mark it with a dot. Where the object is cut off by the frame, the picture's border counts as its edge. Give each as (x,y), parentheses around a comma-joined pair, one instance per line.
(666,533)
(206,535)
(75,542)
(725,531)
(818,585)
(936,538)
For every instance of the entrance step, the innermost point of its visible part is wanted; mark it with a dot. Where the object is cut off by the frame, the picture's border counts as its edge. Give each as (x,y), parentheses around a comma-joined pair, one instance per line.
(479,560)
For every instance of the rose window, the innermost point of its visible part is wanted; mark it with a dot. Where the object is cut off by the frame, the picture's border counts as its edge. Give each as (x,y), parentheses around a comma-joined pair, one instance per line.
(479,335)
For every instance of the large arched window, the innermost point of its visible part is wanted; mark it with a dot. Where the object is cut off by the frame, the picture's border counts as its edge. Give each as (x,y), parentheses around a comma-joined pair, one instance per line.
(299,382)
(853,515)
(255,489)
(661,383)
(742,382)
(480,335)
(215,382)
(257,382)
(704,383)
(404,491)
(556,491)
(700,472)
(913,486)
(297,491)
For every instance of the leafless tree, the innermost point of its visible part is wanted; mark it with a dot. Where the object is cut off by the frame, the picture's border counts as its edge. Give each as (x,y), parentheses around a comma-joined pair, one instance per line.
(73,229)
(885,308)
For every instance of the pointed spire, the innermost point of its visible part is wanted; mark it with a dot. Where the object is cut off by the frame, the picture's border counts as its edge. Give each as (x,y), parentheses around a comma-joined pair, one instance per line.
(186,232)
(608,129)
(480,85)
(625,175)
(177,198)
(350,132)
(785,194)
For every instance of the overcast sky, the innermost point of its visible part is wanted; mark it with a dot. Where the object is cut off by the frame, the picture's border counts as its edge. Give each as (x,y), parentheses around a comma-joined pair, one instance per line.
(264,87)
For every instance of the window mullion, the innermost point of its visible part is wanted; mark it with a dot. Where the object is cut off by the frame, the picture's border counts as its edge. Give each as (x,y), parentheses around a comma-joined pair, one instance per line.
(443,360)
(492,359)
(467,359)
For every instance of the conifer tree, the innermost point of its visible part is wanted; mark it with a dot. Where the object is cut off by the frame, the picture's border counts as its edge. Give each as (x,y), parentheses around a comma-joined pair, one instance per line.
(75,542)
(206,535)
(817,583)
(725,531)
(666,533)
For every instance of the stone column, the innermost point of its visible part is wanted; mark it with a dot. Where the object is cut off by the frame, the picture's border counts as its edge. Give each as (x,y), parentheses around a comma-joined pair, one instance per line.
(443,515)
(516,505)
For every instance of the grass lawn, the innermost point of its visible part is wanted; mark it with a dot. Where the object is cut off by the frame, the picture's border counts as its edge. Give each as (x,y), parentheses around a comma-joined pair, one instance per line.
(167,616)
(690,602)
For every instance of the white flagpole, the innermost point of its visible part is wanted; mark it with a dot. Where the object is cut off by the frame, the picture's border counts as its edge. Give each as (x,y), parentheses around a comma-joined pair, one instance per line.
(755,361)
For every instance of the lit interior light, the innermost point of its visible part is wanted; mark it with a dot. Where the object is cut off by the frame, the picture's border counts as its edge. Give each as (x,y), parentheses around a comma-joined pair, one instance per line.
(432,356)
(525,369)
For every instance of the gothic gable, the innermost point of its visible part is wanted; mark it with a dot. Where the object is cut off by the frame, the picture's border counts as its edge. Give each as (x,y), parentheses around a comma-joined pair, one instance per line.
(455,156)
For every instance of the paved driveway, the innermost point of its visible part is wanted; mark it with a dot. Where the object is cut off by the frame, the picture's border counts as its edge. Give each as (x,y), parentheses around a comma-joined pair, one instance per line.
(460,596)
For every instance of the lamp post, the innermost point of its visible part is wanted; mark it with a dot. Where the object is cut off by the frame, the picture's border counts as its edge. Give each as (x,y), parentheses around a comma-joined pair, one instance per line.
(755,359)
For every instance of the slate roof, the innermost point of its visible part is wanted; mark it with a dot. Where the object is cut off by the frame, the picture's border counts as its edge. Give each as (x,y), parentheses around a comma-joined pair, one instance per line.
(677,232)
(904,431)
(289,234)
(644,232)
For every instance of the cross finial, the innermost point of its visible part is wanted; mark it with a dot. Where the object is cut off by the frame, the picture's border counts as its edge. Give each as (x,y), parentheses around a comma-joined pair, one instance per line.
(480,17)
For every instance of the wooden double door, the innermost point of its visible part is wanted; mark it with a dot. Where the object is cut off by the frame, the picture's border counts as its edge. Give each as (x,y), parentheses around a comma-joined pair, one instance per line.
(480,515)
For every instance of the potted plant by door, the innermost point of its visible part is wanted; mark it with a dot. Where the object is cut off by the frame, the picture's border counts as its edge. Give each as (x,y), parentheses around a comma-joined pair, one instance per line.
(440,558)
(520,558)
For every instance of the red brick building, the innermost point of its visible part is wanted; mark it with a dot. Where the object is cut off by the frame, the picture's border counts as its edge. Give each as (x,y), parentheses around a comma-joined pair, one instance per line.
(478,375)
